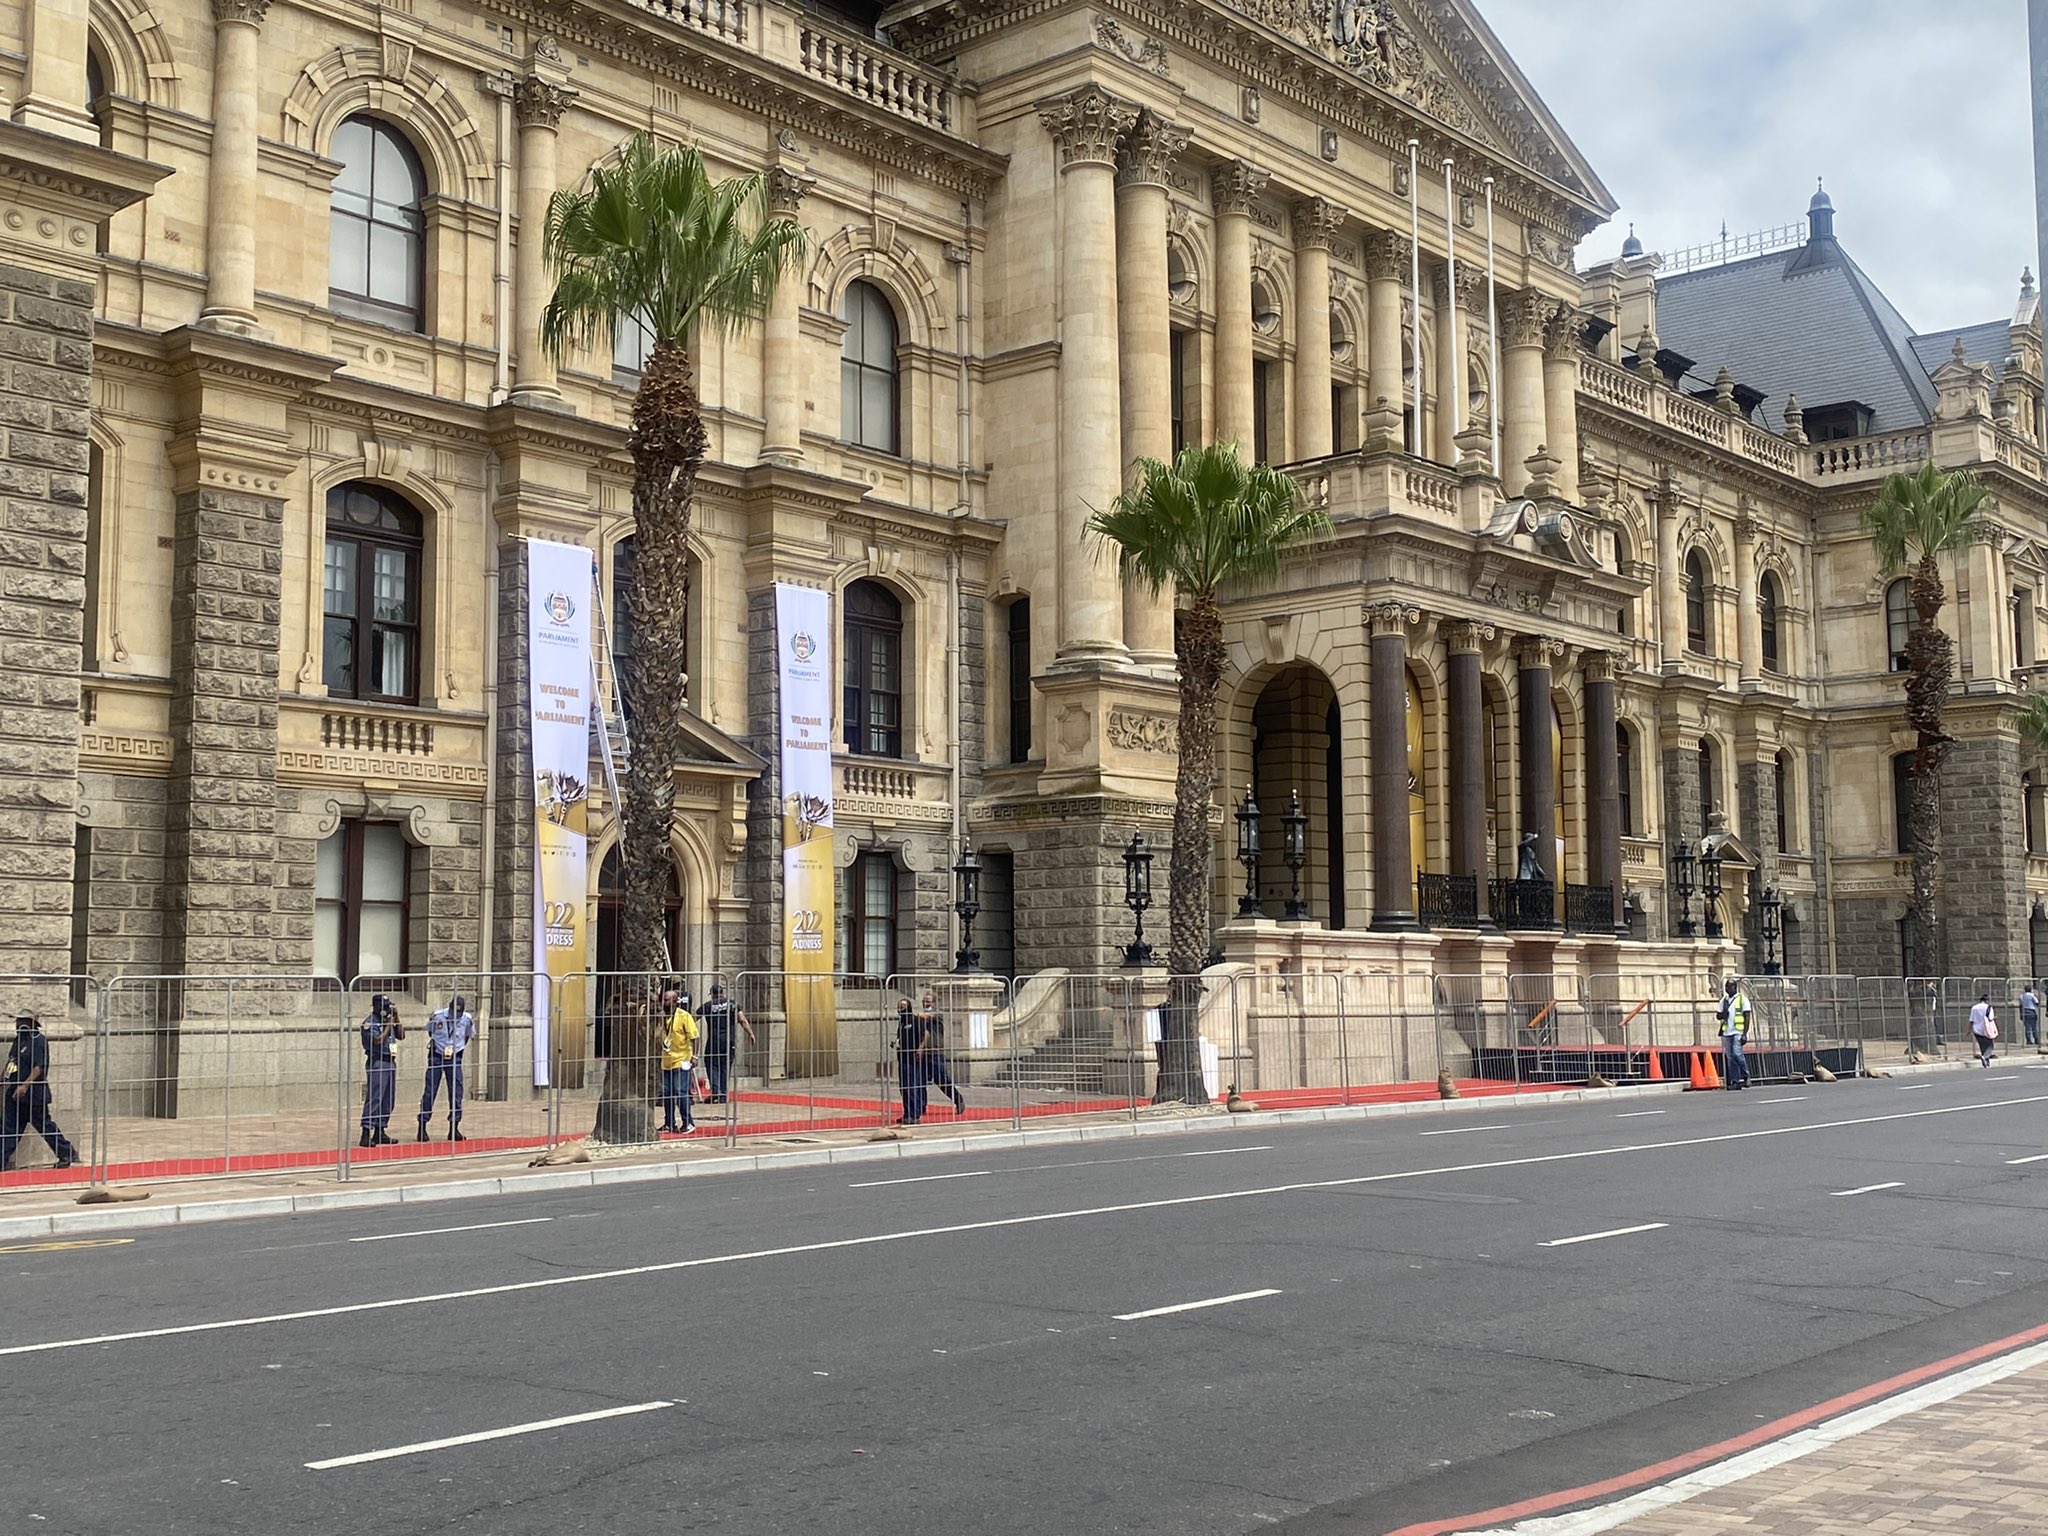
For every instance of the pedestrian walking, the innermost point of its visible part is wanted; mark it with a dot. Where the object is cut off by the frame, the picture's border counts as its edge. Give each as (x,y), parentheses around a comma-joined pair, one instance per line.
(678,1061)
(720,1015)
(1984,1028)
(910,1066)
(2030,1015)
(449,1031)
(25,1095)
(381,1032)
(1734,1014)
(936,1071)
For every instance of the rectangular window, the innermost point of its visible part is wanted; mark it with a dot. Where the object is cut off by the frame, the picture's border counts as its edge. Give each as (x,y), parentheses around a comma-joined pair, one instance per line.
(1343,419)
(867,926)
(1020,680)
(1177,343)
(362,873)
(995,931)
(1263,386)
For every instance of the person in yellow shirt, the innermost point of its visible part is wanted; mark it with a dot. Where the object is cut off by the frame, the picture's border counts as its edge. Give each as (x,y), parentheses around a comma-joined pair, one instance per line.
(678,1037)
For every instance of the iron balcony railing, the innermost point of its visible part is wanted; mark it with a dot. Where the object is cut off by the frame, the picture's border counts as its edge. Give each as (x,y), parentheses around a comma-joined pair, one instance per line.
(1589,908)
(1447,901)
(1522,905)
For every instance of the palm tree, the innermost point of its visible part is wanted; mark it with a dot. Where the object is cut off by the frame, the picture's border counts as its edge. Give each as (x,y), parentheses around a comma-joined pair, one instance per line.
(651,239)
(1914,519)
(1204,522)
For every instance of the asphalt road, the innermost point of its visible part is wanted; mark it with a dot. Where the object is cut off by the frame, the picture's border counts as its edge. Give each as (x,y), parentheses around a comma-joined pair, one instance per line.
(948,1343)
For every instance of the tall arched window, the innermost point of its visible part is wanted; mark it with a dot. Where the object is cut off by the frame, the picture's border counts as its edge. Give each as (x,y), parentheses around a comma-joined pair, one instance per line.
(1899,620)
(1625,777)
(1767,620)
(873,675)
(1902,800)
(1696,636)
(1418,788)
(370,638)
(376,241)
(867,370)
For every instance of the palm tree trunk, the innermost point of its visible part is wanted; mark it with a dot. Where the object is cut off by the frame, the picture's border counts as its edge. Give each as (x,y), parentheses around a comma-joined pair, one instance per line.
(1200,650)
(668,446)
(1930,666)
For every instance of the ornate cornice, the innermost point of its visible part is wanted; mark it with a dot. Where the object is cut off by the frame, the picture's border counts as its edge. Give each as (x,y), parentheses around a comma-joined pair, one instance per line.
(538,102)
(1150,149)
(1087,125)
(1316,223)
(1235,187)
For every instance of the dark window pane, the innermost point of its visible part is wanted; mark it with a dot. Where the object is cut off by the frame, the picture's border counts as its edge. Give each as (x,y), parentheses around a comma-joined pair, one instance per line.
(375,243)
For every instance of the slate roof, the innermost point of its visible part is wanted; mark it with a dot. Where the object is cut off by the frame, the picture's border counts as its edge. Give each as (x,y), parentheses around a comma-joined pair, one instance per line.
(1805,321)
(1986,343)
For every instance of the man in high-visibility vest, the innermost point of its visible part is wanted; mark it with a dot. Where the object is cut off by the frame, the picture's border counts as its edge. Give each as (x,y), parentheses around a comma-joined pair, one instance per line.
(1734,1014)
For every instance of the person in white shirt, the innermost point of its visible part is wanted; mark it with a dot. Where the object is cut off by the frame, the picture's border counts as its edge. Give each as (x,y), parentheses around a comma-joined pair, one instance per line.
(1984,1026)
(449,1032)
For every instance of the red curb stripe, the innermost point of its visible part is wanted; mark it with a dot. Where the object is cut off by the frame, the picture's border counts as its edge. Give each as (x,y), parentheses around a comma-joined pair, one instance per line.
(1721,1450)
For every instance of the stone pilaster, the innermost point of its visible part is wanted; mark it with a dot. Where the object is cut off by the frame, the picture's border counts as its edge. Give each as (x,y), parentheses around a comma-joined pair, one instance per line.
(1086,126)
(1749,639)
(1563,345)
(1523,319)
(1984,874)
(1393,855)
(1756,796)
(1682,815)
(511,871)
(538,102)
(53,80)
(1386,269)
(781,342)
(1236,187)
(231,169)
(1316,223)
(1467,701)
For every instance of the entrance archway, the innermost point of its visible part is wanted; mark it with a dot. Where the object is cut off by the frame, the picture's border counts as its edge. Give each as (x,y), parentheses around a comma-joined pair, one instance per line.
(1297,754)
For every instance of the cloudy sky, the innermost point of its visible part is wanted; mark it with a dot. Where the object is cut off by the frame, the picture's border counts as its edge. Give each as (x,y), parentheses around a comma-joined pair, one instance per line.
(1915,113)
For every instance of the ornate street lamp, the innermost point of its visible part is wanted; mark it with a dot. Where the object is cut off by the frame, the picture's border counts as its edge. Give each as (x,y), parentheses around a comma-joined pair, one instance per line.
(1294,842)
(1138,897)
(1773,909)
(967,906)
(1682,865)
(1248,853)
(1710,891)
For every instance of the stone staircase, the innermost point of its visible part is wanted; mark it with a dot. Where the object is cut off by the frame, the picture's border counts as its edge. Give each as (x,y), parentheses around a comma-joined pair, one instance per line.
(1067,1062)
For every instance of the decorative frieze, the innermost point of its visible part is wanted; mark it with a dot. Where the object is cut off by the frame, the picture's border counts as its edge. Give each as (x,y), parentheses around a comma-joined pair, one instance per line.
(1146,52)
(1138,730)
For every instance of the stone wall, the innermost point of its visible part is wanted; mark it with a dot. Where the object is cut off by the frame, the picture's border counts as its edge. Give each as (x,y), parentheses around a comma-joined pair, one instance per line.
(1984,860)
(124,886)
(1681,820)
(45,396)
(511,875)
(1867,935)
(1069,896)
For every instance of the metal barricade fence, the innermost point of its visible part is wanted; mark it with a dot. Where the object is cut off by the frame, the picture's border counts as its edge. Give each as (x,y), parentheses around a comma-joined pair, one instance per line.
(37,1129)
(209,1075)
(820,1052)
(1475,1028)
(610,1071)
(1083,1043)
(1549,1015)
(482,1095)
(951,1047)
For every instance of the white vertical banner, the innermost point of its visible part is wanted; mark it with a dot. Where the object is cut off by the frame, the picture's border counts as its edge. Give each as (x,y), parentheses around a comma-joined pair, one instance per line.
(803,650)
(559,696)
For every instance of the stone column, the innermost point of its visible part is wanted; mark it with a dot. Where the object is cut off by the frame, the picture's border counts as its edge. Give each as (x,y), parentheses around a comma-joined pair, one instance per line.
(1144,331)
(1236,187)
(1539,774)
(782,341)
(1563,344)
(53,78)
(1386,269)
(1393,856)
(1521,364)
(1086,125)
(1749,635)
(1603,778)
(1468,755)
(1316,222)
(231,169)
(1670,579)
(1453,389)
(538,102)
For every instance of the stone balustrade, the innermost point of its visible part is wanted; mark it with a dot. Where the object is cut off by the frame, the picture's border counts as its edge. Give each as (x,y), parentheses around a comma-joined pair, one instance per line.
(390,735)
(1868,457)
(720,18)
(875,75)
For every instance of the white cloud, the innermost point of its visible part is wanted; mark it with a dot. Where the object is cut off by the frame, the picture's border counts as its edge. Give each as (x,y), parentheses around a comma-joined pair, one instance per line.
(1917,116)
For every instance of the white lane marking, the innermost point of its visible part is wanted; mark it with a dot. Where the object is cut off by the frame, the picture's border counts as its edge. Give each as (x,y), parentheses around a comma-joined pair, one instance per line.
(995,1223)
(1804,1442)
(1222,1151)
(1638,1114)
(1796,1098)
(1913,1087)
(925,1178)
(1194,1306)
(481,1226)
(1594,1237)
(1869,1189)
(421,1446)
(2004,1077)
(1460,1130)
(2038,1157)
(982,1173)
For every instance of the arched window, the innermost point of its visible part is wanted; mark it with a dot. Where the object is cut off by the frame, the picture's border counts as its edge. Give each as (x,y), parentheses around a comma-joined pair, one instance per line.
(1767,620)
(376,241)
(1781,784)
(1902,800)
(873,675)
(96,93)
(1625,777)
(1899,620)
(867,370)
(370,639)
(1696,636)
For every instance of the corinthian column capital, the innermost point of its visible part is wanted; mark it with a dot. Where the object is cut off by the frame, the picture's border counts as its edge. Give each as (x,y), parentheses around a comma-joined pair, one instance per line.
(787,189)
(538,102)
(1524,318)
(1237,185)
(1565,336)
(1086,124)
(1316,222)
(1149,151)
(1386,255)
(250,12)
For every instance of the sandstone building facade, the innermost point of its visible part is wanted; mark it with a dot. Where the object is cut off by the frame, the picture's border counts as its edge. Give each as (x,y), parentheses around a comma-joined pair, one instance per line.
(277,422)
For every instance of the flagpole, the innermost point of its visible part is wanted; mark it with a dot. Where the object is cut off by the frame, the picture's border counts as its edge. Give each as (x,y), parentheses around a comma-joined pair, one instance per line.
(1492,339)
(1415,294)
(1451,304)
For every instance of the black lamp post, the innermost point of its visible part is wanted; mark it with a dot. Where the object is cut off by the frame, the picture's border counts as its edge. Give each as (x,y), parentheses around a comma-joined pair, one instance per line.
(1710,891)
(1294,840)
(1773,908)
(1138,897)
(1682,865)
(1248,853)
(967,906)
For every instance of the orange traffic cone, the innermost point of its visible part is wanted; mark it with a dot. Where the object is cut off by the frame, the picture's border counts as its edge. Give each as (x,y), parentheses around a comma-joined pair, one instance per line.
(1656,1065)
(1697,1071)
(1713,1069)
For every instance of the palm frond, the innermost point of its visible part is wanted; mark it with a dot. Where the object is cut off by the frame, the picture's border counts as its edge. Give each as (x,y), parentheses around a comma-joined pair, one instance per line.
(2033,722)
(1920,514)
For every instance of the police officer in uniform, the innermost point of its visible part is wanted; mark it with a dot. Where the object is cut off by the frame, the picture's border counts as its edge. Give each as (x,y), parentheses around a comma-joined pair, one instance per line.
(25,1095)
(718,1016)
(380,1090)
